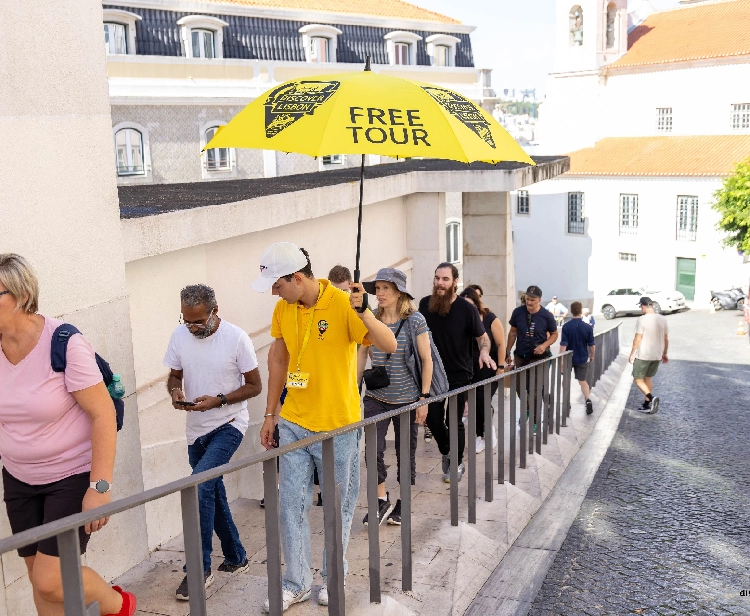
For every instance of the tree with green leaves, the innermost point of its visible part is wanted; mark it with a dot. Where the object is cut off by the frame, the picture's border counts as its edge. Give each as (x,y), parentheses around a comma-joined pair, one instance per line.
(733,204)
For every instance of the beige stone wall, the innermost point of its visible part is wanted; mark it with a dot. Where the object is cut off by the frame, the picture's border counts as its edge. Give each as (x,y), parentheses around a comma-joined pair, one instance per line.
(59,209)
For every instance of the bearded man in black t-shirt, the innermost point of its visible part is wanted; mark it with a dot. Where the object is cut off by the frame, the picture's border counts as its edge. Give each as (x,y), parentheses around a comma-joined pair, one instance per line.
(456,326)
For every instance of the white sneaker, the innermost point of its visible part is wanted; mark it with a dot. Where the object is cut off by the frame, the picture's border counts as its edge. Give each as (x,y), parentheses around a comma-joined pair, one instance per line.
(323,594)
(494,438)
(289,598)
(480,444)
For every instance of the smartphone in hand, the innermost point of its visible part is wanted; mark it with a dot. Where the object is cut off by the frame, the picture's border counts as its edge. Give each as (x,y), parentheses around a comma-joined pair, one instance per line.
(185,403)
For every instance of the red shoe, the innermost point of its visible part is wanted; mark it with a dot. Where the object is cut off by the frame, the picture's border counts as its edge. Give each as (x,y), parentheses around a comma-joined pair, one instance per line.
(128,603)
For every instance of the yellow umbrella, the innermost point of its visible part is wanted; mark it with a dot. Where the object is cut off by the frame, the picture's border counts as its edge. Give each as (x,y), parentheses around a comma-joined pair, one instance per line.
(369,113)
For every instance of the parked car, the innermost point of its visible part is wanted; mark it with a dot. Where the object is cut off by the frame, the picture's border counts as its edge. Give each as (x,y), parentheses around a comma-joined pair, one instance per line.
(625,301)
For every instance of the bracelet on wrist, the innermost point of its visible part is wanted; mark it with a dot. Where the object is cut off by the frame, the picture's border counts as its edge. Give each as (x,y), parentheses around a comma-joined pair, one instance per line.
(270,415)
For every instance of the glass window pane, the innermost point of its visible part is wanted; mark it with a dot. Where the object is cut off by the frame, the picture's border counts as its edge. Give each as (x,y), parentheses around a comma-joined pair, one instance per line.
(208,45)
(114,39)
(319,49)
(195,35)
(129,151)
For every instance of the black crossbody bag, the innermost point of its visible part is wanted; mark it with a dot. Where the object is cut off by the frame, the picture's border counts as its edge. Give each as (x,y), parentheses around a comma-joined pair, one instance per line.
(377,377)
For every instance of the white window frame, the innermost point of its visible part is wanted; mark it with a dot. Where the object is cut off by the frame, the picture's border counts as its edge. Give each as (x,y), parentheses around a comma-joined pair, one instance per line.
(686,220)
(332,161)
(146,176)
(628,214)
(610,26)
(127,19)
(216,174)
(739,117)
(572,223)
(202,22)
(628,257)
(663,119)
(312,31)
(454,226)
(445,40)
(405,38)
(523,203)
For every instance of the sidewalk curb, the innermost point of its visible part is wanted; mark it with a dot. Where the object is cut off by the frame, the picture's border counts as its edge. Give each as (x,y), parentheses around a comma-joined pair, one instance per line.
(514,584)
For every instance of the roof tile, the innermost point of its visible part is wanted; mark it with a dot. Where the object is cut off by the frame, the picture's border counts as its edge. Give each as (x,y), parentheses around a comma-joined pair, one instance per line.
(699,32)
(703,155)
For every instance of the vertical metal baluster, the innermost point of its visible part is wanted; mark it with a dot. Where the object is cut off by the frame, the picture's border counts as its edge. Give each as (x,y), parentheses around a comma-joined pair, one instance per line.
(453,427)
(405,484)
(558,378)
(333,539)
(373,529)
(531,410)
(512,461)
(566,386)
(191,532)
(523,416)
(488,450)
(69,547)
(543,372)
(471,431)
(549,368)
(563,414)
(273,537)
(539,408)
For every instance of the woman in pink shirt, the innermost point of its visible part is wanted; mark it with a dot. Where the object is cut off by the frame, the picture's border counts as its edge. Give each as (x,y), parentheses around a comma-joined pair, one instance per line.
(57,438)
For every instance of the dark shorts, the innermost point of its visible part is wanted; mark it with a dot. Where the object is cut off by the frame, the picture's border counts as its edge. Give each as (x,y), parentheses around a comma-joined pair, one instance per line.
(643,368)
(30,506)
(580,371)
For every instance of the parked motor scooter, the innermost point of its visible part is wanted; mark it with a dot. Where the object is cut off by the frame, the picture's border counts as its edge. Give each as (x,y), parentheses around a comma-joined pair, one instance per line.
(734,299)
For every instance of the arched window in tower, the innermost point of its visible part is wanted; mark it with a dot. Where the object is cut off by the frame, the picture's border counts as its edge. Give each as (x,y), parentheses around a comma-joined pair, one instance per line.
(576,26)
(611,15)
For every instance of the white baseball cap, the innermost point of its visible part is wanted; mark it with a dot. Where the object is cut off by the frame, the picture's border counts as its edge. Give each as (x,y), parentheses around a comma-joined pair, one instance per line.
(280,259)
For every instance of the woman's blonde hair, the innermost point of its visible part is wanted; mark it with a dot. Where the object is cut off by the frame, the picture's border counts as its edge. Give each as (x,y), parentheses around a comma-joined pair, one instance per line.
(18,277)
(404,307)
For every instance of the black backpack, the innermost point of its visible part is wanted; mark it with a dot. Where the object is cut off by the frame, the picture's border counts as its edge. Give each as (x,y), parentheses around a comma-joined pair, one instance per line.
(58,355)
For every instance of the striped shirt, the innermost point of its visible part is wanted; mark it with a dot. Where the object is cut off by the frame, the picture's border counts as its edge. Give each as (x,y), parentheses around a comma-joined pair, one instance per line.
(403,389)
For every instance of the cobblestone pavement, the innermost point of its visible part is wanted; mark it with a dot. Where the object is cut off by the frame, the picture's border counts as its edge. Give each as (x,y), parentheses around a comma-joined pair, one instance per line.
(665,526)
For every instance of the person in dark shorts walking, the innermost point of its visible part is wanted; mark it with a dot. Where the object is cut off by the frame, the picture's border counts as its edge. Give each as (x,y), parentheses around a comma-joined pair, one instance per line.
(578,336)
(650,346)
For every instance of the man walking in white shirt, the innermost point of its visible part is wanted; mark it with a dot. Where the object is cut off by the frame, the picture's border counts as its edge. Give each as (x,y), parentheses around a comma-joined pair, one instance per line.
(650,346)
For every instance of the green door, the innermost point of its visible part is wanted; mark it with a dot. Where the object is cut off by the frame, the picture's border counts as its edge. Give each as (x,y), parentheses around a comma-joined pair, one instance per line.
(686,277)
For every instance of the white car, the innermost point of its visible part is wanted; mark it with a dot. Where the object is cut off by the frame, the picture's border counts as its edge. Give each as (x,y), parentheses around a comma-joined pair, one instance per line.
(626,301)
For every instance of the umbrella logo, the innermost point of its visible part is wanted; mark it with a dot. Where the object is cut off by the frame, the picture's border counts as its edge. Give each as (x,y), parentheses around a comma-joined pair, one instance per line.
(289,102)
(463,110)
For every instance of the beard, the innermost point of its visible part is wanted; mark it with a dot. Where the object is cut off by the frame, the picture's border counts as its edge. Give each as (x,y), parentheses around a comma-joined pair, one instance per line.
(441,304)
(205,333)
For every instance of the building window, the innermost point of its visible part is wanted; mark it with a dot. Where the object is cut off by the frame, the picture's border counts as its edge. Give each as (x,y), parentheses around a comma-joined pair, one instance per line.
(319,49)
(401,47)
(687,218)
(575,213)
(523,202)
(611,17)
(441,48)
(115,41)
(319,42)
(402,53)
(217,159)
(664,119)
(627,256)
(129,152)
(203,44)
(740,119)
(333,159)
(453,241)
(576,26)
(442,55)
(628,214)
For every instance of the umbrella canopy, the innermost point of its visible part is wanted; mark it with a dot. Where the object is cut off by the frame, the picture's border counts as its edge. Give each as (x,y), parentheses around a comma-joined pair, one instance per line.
(369,113)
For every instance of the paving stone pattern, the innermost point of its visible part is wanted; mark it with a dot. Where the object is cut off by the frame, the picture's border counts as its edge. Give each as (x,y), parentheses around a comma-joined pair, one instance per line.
(665,526)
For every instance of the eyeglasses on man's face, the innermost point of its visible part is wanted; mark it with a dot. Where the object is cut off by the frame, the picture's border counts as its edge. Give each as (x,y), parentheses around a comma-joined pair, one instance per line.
(201,324)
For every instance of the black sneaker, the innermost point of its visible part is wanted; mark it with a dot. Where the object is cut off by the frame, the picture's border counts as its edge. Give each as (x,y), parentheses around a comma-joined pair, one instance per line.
(182,590)
(395,517)
(427,435)
(646,406)
(230,568)
(320,500)
(589,407)
(384,510)
(654,406)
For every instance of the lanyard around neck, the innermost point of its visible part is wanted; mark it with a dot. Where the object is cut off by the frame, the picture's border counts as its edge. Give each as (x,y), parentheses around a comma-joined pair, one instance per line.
(309,327)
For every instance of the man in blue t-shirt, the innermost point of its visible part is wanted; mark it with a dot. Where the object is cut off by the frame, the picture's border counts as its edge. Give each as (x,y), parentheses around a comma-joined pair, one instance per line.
(578,336)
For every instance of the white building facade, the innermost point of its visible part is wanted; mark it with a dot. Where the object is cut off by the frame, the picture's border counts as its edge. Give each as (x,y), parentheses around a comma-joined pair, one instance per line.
(653,120)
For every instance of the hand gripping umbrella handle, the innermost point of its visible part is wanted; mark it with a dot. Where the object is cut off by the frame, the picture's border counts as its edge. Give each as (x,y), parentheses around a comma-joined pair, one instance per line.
(363,307)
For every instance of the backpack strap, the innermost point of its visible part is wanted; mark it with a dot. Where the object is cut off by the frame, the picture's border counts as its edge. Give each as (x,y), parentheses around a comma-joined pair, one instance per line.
(59,348)
(398,331)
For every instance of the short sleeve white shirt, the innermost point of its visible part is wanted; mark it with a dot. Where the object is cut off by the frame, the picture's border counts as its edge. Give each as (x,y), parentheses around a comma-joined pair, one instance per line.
(653,327)
(212,366)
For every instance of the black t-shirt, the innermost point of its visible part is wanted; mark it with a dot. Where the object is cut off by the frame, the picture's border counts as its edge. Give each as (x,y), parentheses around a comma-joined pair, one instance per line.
(486,372)
(531,331)
(454,336)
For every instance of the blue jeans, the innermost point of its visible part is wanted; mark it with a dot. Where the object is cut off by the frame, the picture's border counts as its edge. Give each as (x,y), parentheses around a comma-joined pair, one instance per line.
(295,494)
(207,452)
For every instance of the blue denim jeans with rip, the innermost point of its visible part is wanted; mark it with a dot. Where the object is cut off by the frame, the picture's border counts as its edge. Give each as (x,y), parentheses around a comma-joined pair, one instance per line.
(295,494)
(207,452)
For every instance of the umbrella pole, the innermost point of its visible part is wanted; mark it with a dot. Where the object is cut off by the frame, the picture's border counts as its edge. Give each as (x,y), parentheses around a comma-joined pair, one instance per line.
(359,229)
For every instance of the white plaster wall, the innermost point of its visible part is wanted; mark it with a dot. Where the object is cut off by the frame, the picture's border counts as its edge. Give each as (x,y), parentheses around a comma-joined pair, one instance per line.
(588,267)
(230,266)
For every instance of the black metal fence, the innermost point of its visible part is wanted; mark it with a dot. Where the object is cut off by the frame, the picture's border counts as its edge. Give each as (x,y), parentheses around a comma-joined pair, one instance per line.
(543,390)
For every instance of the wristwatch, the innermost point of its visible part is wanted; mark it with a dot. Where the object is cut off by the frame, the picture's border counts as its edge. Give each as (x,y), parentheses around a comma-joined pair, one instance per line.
(102,486)
(223,399)
(427,395)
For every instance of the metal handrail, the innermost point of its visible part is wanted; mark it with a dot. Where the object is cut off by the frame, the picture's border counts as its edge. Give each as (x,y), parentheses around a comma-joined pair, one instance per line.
(552,385)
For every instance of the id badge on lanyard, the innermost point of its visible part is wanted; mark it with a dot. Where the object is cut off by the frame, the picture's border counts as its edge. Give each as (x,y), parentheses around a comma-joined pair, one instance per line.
(299,379)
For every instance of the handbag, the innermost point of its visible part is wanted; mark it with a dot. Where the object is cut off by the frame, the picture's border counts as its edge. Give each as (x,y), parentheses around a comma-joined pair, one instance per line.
(377,376)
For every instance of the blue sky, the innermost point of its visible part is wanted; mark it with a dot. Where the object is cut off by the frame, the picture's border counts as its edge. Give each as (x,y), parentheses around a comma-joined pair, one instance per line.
(514,38)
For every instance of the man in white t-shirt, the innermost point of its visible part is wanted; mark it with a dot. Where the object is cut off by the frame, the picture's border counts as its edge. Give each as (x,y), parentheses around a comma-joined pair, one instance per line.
(650,346)
(558,310)
(216,361)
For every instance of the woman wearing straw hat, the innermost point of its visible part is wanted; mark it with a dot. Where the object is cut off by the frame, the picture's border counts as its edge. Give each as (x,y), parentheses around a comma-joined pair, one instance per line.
(395,309)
